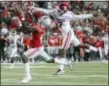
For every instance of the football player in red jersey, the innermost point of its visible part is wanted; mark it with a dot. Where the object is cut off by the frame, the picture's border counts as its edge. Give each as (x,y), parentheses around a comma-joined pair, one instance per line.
(36,48)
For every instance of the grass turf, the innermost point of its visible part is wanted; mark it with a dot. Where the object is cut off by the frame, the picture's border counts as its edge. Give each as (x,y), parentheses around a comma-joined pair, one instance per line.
(84,73)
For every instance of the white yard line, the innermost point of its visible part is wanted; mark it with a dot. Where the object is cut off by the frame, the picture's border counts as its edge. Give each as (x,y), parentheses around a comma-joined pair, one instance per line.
(46,66)
(11,79)
(48,83)
(22,63)
(37,66)
(62,76)
(47,63)
(77,71)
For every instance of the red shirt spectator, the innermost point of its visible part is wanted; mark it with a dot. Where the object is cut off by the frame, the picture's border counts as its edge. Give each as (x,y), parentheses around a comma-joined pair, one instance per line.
(5,12)
(15,23)
(55,41)
(38,14)
(99,43)
(28,18)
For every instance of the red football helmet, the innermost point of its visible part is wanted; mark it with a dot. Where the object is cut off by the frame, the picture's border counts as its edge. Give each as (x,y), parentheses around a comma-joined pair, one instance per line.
(64,5)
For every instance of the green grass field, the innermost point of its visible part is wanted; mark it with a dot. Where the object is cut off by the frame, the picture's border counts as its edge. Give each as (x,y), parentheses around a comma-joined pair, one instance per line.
(84,73)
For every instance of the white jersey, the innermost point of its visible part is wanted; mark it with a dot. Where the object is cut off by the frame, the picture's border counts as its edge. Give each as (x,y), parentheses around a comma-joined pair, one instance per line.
(67,32)
(68,16)
(13,47)
(13,40)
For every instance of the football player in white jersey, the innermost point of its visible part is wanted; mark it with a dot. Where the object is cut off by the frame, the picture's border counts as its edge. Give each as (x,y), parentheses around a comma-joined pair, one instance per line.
(68,34)
(14,41)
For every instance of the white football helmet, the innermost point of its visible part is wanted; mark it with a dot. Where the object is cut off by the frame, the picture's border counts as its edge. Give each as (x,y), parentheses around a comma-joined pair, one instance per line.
(46,22)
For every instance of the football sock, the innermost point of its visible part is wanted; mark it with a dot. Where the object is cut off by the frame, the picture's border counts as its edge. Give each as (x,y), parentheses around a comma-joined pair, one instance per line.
(27,70)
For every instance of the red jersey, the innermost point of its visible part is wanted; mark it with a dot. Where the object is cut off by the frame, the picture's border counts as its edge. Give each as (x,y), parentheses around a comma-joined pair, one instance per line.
(37,37)
(20,15)
(5,12)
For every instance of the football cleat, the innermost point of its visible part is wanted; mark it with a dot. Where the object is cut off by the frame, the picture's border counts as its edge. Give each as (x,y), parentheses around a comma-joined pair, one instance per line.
(26,80)
(59,72)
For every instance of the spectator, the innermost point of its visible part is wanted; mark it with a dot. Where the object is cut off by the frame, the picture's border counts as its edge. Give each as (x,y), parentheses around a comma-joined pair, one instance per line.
(2,46)
(4,30)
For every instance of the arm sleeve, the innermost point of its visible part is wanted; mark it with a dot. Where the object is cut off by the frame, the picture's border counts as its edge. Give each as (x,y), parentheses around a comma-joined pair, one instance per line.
(33,9)
(82,16)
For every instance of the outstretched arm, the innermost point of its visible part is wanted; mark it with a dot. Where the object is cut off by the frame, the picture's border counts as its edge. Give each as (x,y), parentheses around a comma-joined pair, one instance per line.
(72,16)
(82,16)
(46,11)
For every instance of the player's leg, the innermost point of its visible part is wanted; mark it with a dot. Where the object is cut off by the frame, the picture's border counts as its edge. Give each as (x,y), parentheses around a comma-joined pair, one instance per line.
(45,55)
(66,44)
(106,50)
(49,58)
(4,57)
(2,54)
(76,42)
(106,54)
(30,53)
(26,69)
(1,57)
(100,53)
(12,62)
(62,60)
(13,56)
(60,70)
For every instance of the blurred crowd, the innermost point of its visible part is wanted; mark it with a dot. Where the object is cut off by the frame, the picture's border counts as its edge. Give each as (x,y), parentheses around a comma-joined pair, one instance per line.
(93,31)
